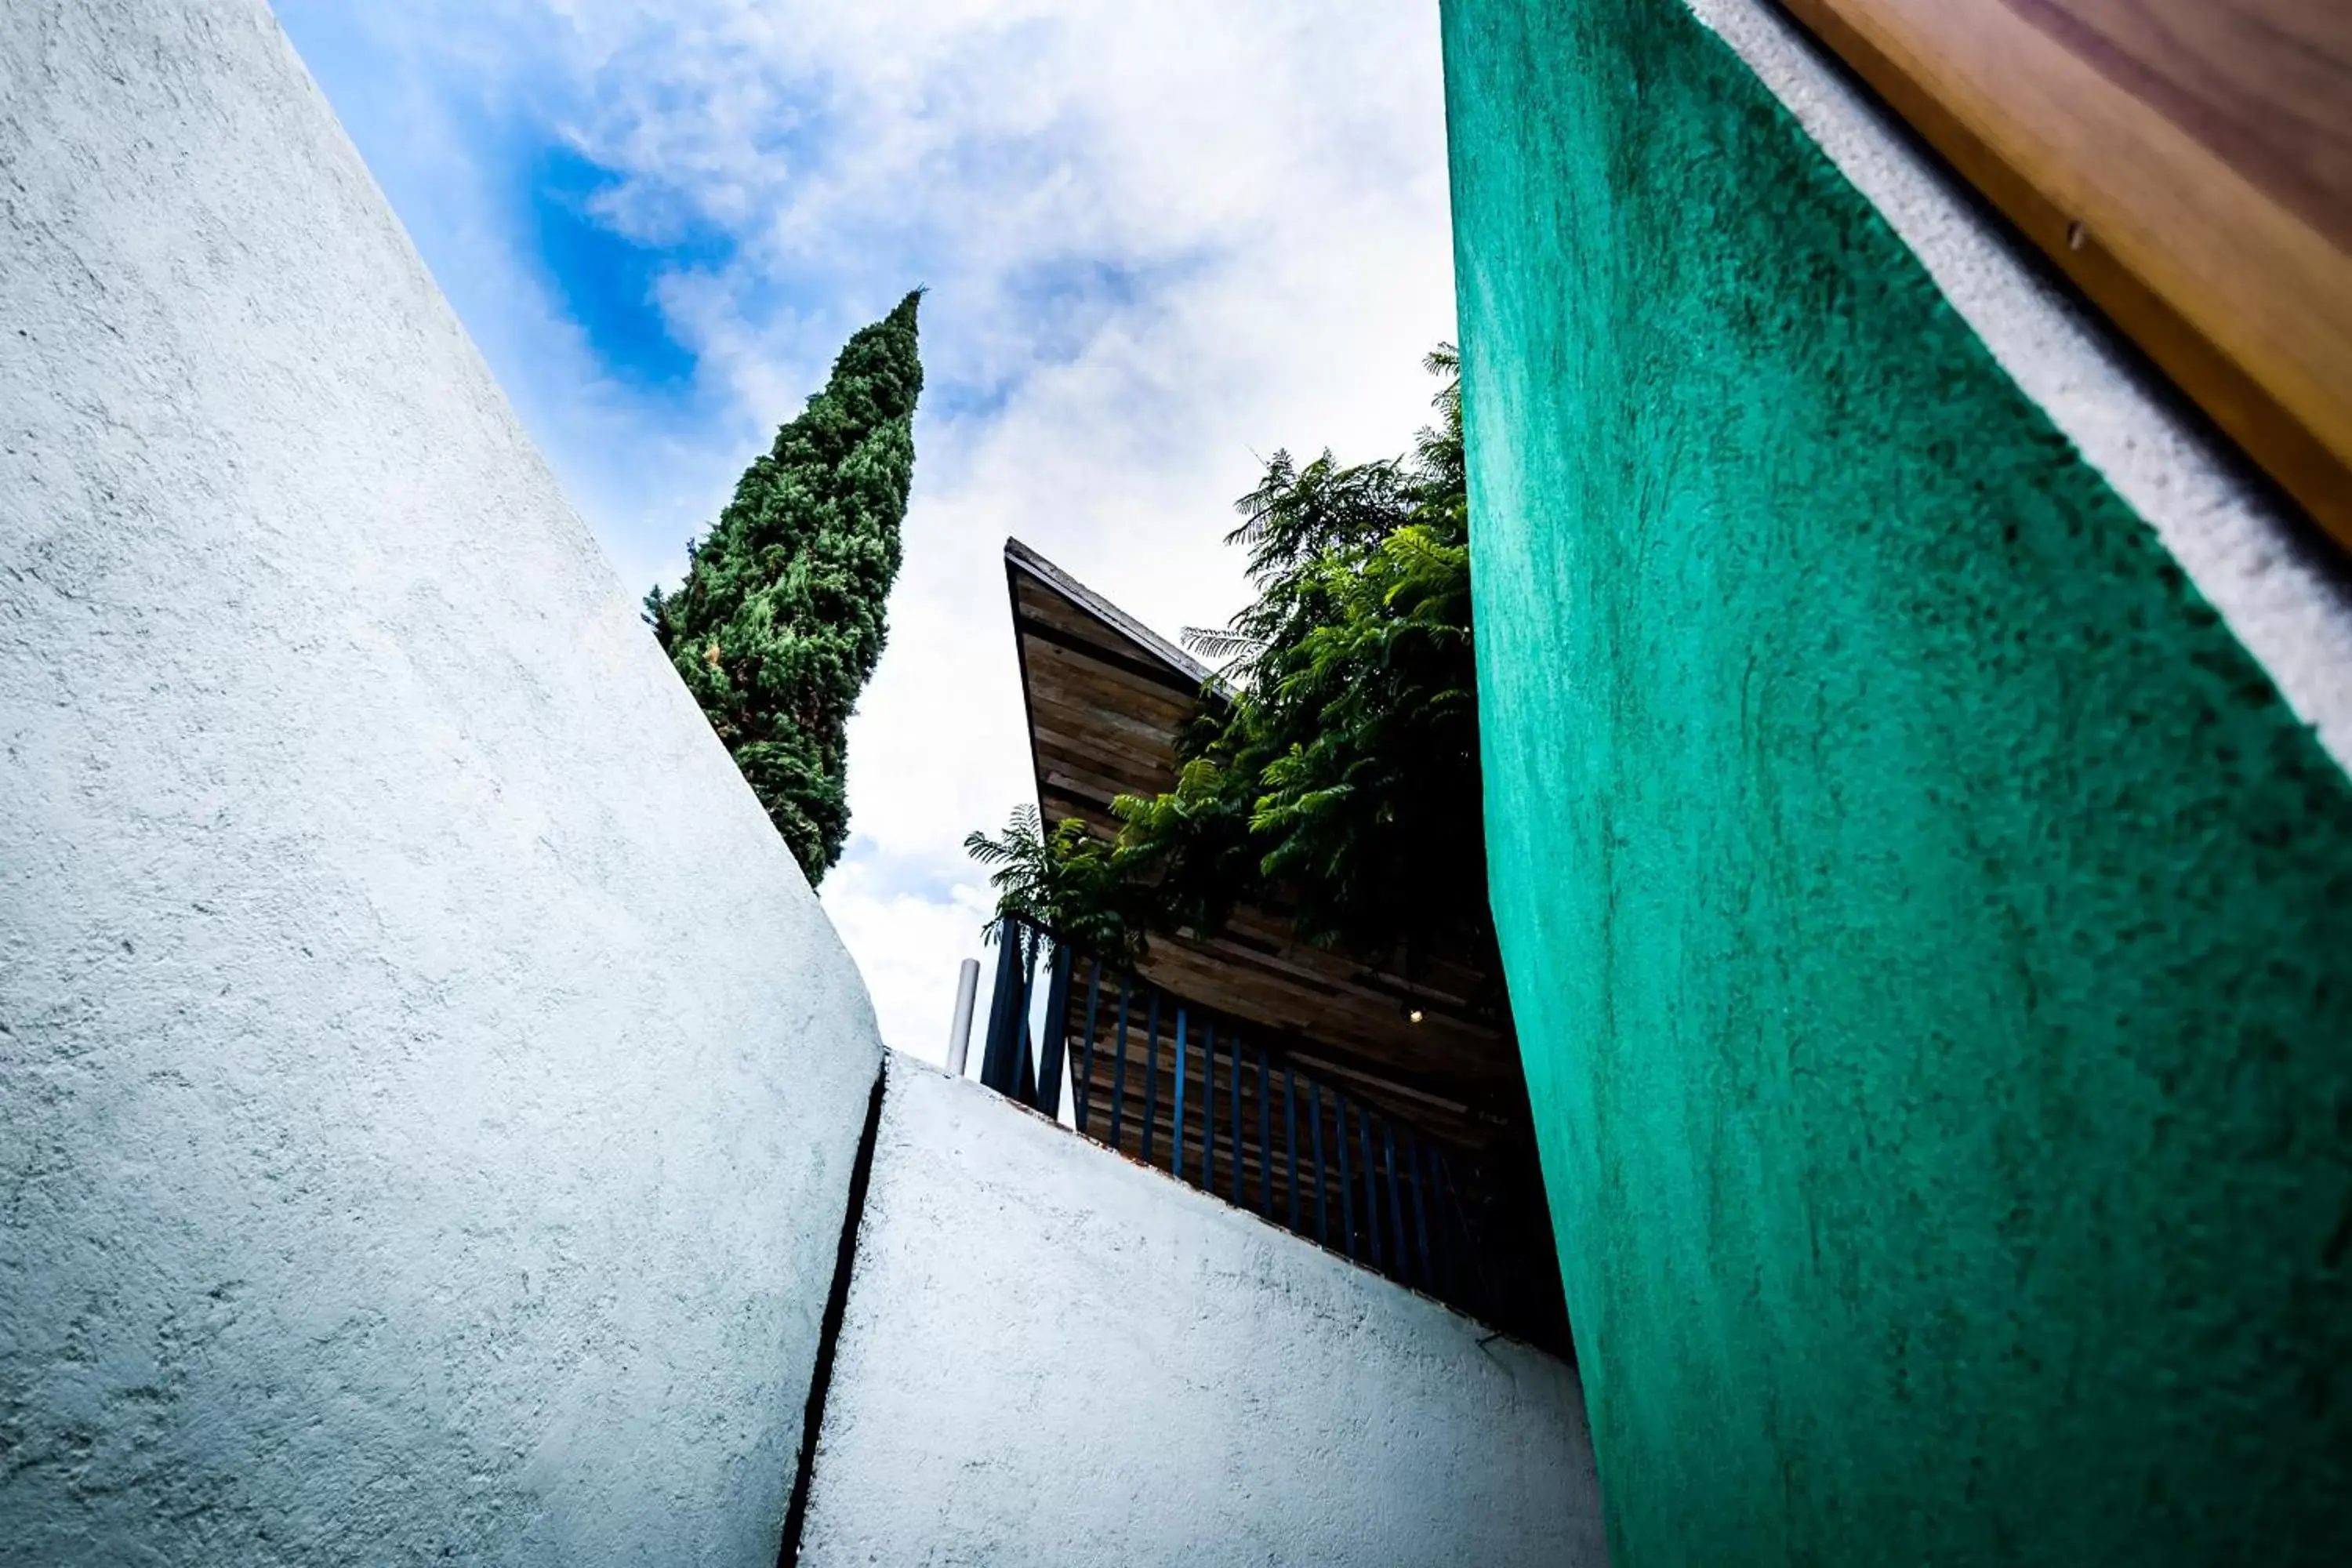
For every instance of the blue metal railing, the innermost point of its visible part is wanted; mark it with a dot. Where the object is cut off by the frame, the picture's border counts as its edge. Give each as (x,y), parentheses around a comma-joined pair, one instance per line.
(1244,1120)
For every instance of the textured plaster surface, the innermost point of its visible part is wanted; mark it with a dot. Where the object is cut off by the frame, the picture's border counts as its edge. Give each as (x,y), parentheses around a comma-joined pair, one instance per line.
(2282,586)
(1924,916)
(1053,1355)
(427,1088)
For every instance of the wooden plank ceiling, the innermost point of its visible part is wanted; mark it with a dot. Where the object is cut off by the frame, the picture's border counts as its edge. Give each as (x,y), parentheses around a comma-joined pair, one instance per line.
(1107,698)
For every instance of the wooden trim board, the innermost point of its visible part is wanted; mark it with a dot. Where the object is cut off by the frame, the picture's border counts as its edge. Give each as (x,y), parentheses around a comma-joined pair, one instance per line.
(2187,163)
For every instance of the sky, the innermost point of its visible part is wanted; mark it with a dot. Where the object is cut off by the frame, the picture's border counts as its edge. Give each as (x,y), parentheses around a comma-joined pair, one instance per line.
(1161,238)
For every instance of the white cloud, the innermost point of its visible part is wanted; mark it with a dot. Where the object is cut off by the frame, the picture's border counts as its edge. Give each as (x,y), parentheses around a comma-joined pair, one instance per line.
(899,938)
(1162,237)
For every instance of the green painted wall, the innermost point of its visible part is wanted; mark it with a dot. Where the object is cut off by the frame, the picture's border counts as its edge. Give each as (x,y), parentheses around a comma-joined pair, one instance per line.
(1931,936)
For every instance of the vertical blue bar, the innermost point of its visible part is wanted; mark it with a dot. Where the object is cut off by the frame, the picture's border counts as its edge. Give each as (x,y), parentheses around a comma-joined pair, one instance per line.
(1053,1047)
(1460,1257)
(1420,1214)
(1026,1074)
(1209,1112)
(1086,1084)
(1290,1138)
(1176,1158)
(1152,1076)
(1346,1178)
(1441,1257)
(996,1050)
(1372,1187)
(1396,1201)
(1322,1188)
(1237,1193)
(1118,1072)
(1265,1144)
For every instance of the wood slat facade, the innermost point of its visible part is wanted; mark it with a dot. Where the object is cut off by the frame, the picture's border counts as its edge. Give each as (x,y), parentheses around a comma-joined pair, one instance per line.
(1107,698)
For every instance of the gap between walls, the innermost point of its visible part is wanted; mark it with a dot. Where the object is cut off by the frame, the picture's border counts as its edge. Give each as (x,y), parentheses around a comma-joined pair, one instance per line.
(837,1307)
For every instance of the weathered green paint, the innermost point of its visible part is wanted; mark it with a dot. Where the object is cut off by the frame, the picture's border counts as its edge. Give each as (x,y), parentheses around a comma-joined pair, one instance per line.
(1931,935)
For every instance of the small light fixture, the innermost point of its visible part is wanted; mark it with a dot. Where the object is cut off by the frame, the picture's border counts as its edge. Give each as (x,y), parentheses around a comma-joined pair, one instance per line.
(1413,1016)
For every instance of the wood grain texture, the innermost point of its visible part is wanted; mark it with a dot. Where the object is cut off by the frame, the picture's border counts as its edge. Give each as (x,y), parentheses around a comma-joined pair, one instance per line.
(1106,701)
(2187,163)
(2263,84)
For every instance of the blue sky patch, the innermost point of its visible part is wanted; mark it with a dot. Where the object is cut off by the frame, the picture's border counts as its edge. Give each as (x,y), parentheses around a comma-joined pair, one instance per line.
(1129,216)
(605,281)
(1068,301)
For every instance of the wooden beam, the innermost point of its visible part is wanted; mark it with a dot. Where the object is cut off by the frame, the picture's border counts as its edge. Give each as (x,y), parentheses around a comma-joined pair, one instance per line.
(2187,163)
(1136,664)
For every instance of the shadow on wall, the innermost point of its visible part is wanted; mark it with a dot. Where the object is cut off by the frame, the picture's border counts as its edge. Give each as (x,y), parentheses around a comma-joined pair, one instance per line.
(1926,921)
(1057,1356)
(430,1088)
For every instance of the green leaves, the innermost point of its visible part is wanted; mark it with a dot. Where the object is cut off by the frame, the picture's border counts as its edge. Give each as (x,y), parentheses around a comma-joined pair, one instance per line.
(1335,773)
(782,615)
(1347,760)
(1066,878)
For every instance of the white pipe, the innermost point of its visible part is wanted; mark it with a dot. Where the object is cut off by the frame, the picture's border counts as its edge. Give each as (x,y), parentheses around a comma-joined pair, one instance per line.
(960,1032)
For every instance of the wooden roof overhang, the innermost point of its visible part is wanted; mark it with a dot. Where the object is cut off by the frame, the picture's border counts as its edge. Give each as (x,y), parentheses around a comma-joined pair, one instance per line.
(1107,698)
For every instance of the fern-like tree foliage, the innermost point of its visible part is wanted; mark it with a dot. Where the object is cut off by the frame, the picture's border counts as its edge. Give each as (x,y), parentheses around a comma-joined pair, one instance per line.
(781,618)
(1333,771)
(1063,876)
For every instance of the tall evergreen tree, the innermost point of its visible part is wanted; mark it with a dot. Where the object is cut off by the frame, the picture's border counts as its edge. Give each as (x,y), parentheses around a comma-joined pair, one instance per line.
(783,614)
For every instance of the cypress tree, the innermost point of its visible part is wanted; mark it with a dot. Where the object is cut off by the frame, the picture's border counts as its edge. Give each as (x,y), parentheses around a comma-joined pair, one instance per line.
(783,614)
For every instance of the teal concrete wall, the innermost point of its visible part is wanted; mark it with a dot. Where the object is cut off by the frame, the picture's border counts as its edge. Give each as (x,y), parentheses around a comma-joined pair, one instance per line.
(1930,934)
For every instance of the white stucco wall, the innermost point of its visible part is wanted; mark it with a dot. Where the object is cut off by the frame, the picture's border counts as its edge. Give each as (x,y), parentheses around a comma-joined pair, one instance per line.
(1053,1355)
(427,1088)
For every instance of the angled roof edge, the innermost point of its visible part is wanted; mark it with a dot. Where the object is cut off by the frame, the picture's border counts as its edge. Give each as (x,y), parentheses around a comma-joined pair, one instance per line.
(1019,557)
